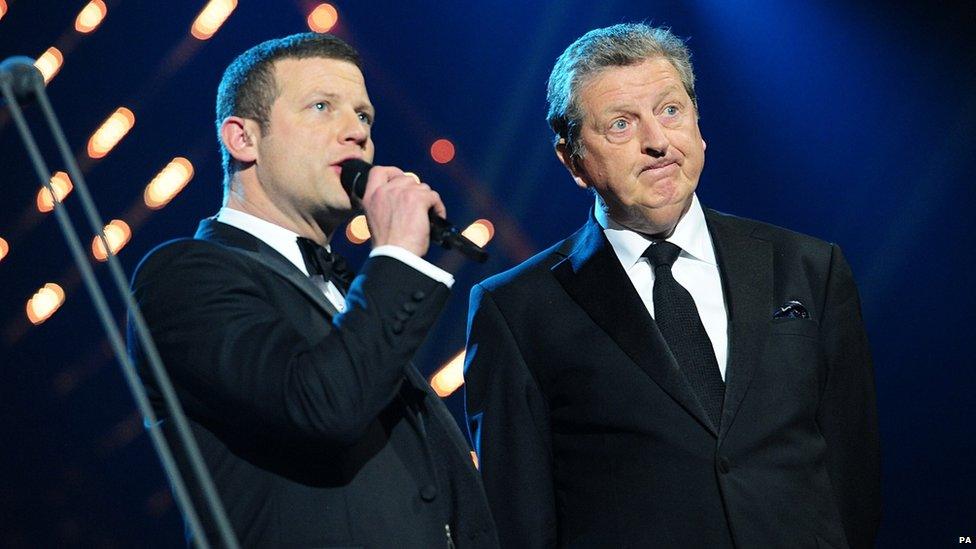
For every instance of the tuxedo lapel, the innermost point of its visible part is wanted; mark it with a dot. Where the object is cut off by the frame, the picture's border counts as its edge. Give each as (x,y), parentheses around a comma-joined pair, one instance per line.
(253,247)
(746,267)
(592,275)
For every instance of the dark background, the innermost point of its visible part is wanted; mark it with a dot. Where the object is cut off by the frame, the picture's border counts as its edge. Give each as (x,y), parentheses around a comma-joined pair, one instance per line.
(852,122)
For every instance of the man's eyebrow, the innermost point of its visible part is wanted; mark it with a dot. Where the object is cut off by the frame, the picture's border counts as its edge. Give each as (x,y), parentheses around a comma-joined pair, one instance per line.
(367,107)
(318,92)
(672,89)
(621,106)
(332,96)
(624,106)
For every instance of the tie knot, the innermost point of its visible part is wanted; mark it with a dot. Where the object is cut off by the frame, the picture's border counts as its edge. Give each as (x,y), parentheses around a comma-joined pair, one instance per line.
(319,261)
(662,253)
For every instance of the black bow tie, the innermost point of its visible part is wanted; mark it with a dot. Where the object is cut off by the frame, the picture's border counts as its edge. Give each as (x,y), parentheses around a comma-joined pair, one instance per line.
(320,261)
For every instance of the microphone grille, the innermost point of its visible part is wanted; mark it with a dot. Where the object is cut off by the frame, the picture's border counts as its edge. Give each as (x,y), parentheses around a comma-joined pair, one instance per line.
(353,176)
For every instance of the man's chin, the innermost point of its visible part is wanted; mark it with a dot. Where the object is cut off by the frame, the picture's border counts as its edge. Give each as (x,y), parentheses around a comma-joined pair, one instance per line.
(655,221)
(335,214)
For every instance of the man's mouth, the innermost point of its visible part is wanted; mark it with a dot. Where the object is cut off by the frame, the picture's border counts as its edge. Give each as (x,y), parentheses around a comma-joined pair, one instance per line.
(659,167)
(337,165)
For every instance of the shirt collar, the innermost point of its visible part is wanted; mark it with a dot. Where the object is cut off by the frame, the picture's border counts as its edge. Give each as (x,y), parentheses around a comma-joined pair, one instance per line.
(691,234)
(281,239)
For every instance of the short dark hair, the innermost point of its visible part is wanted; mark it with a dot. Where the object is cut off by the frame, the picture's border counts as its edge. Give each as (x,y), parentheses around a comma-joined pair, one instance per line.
(615,46)
(248,87)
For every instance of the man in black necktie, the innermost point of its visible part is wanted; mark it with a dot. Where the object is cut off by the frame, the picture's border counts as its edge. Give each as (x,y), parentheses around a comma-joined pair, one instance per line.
(667,376)
(295,376)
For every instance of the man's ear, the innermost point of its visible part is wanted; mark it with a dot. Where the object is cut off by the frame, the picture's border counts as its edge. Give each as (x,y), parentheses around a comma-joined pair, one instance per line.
(238,136)
(572,164)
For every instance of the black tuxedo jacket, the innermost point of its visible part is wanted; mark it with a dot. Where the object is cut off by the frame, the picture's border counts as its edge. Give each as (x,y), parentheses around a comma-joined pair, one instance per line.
(315,426)
(589,436)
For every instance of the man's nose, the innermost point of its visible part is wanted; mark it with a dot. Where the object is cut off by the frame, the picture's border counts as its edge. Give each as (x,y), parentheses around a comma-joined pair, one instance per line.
(654,140)
(354,129)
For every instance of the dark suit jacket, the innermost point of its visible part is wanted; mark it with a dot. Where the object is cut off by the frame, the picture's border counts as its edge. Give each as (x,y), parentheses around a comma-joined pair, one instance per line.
(588,434)
(316,428)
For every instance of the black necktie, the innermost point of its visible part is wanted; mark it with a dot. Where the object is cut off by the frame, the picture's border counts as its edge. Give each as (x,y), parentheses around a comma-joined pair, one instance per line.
(677,318)
(330,265)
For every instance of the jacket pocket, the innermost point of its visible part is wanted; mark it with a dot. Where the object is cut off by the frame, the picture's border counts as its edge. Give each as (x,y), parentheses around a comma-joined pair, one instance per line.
(794,326)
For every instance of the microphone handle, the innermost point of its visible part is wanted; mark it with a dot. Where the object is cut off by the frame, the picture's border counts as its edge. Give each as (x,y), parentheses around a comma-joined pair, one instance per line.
(446,235)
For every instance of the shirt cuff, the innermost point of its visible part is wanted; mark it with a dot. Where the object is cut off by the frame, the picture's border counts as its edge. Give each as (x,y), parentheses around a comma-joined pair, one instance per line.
(415,261)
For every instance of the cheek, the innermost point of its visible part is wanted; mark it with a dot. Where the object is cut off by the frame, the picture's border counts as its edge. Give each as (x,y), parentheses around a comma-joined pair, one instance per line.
(601,163)
(691,142)
(690,148)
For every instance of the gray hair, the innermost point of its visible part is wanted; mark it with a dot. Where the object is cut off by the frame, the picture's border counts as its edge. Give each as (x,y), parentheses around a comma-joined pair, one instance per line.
(616,46)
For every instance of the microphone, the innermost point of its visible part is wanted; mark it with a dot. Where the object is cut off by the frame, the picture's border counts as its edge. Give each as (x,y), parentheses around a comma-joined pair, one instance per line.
(353,177)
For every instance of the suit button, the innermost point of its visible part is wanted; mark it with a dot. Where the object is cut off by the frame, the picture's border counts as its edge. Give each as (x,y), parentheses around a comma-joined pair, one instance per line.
(397,327)
(419,295)
(402,315)
(428,492)
(723,465)
(410,307)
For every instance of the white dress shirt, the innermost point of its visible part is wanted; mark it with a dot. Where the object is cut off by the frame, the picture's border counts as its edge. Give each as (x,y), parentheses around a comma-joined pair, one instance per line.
(696,269)
(285,242)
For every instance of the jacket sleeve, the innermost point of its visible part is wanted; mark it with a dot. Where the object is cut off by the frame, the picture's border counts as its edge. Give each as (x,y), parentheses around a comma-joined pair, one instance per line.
(508,421)
(238,359)
(847,415)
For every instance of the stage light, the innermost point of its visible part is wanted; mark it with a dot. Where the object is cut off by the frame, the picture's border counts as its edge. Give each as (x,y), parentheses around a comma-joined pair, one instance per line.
(49,63)
(62,187)
(357,231)
(211,17)
(480,232)
(168,183)
(442,151)
(4,248)
(108,135)
(323,18)
(3,9)
(449,377)
(44,303)
(117,233)
(90,16)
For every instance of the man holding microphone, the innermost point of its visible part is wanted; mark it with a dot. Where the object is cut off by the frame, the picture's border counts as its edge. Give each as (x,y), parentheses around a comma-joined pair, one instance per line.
(295,374)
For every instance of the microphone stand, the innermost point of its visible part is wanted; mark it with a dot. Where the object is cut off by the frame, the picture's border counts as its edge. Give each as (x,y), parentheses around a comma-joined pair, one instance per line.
(20,80)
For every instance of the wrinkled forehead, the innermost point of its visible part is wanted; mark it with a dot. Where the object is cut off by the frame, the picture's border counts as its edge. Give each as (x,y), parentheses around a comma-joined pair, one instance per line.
(647,78)
(298,77)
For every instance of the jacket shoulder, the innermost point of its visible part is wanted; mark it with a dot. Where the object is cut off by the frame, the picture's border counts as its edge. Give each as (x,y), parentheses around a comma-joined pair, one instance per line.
(778,236)
(530,271)
(176,255)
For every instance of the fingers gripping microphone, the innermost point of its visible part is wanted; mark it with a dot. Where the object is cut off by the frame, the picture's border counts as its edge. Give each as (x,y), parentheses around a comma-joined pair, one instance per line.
(442,232)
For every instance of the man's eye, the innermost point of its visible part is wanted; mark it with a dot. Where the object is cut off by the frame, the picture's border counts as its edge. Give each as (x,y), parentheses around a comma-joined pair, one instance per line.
(619,125)
(320,106)
(671,110)
(366,119)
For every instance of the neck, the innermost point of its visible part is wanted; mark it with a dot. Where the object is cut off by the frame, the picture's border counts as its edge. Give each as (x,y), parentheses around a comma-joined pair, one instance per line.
(252,200)
(656,225)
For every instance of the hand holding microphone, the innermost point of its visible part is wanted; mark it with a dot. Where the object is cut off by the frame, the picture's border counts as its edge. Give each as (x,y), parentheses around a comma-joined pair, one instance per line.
(402,212)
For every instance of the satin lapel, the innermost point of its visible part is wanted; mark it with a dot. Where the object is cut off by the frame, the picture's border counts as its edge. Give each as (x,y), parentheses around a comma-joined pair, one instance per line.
(250,246)
(593,277)
(746,267)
